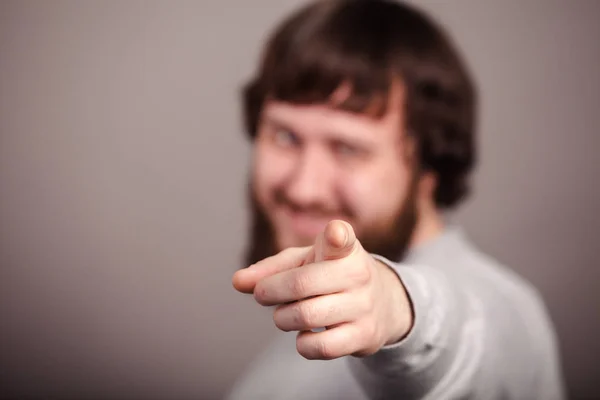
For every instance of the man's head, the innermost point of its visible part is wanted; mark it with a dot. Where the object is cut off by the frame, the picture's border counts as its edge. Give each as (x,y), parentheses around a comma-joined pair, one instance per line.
(362,111)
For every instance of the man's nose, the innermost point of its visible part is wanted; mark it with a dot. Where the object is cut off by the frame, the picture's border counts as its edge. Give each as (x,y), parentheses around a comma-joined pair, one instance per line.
(311,181)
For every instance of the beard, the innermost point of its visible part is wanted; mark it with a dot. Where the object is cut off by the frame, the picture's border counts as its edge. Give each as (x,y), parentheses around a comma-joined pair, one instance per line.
(390,240)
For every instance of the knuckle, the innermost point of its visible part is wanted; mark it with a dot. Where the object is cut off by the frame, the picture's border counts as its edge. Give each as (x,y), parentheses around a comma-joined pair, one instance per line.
(369,330)
(368,303)
(307,315)
(324,350)
(371,334)
(314,349)
(332,311)
(299,285)
(360,273)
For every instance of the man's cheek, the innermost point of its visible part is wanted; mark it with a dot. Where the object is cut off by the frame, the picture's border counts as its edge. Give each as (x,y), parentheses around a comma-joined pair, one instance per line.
(264,188)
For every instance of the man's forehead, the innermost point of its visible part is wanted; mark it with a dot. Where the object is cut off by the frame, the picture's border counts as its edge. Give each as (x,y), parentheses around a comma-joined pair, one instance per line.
(333,114)
(324,119)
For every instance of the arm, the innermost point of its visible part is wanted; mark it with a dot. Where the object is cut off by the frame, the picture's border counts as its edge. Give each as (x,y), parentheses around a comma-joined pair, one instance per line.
(466,329)
(472,337)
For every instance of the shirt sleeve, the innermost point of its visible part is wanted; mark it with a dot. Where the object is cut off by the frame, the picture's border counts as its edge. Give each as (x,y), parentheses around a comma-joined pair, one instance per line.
(470,339)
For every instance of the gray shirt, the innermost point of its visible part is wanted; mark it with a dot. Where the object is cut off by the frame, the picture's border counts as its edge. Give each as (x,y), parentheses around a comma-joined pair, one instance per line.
(480,332)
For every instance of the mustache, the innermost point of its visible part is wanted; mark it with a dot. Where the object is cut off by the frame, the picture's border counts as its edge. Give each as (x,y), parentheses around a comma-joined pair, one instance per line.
(281,198)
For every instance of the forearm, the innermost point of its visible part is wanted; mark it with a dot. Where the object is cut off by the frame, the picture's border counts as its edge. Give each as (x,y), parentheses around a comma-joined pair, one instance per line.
(470,339)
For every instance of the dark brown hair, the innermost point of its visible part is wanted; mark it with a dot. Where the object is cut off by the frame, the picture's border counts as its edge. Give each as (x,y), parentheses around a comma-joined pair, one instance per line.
(368,44)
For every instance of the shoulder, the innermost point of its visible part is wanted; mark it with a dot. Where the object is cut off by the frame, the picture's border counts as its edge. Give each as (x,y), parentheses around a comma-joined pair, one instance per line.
(503,291)
(462,257)
(499,288)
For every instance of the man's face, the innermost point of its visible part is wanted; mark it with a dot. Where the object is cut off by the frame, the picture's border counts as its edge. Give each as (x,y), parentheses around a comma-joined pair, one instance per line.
(313,163)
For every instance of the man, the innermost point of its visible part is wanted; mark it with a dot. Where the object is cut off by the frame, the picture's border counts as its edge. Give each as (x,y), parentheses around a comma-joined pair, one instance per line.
(362,117)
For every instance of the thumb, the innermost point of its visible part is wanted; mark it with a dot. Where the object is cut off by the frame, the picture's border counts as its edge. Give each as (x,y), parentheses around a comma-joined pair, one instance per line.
(337,240)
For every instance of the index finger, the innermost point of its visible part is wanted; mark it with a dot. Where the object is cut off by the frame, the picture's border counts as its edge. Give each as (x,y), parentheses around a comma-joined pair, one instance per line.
(246,279)
(316,279)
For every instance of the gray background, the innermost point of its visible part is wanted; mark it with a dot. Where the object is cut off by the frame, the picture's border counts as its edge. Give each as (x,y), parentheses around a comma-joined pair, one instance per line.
(122,172)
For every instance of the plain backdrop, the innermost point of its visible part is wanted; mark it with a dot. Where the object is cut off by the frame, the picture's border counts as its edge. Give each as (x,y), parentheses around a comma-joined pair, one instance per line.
(122,179)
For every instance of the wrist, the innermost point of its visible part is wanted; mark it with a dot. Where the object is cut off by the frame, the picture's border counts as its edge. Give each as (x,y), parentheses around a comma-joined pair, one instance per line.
(398,305)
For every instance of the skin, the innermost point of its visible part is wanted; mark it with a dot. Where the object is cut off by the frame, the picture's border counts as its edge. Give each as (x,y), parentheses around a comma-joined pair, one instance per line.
(340,175)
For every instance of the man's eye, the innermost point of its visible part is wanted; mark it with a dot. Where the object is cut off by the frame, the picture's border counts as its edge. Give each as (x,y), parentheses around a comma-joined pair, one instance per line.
(346,150)
(285,138)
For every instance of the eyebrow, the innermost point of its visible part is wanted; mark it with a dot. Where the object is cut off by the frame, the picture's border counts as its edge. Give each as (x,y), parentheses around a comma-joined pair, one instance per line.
(330,136)
(277,123)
